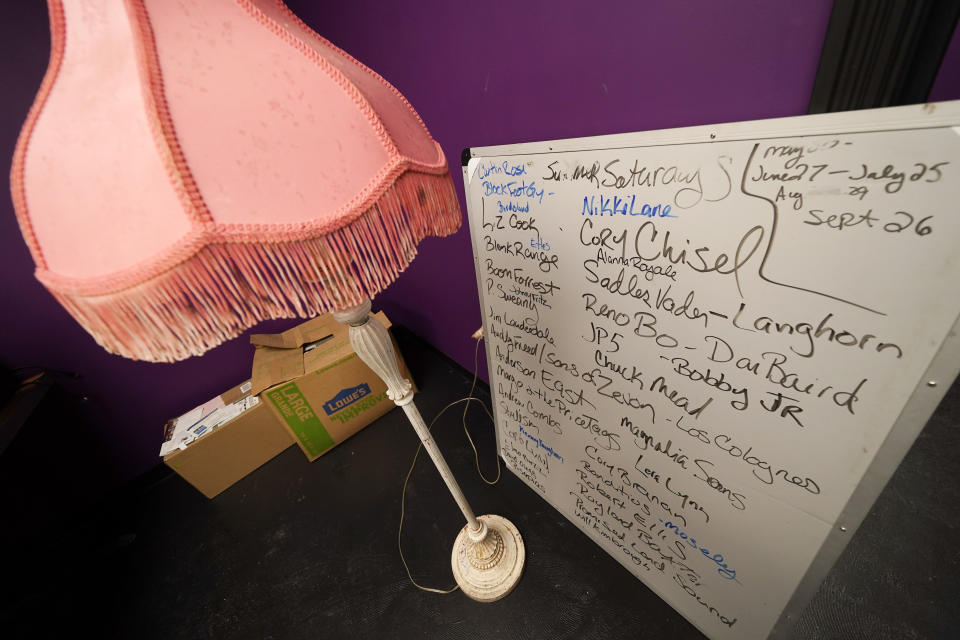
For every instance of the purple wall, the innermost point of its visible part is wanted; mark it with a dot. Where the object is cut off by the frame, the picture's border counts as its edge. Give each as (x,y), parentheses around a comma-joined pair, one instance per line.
(498,73)
(479,75)
(946,86)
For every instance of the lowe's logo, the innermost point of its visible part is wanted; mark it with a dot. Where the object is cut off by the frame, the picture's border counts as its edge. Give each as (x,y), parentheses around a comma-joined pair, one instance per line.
(345,398)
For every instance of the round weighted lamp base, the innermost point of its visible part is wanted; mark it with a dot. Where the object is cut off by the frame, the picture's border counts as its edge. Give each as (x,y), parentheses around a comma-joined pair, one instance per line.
(488,564)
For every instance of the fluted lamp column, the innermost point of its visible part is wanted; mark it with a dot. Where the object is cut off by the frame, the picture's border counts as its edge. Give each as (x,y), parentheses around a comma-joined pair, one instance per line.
(488,555)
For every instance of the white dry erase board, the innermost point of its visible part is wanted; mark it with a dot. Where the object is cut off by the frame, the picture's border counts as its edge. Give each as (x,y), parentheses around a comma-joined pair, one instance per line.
(710,347)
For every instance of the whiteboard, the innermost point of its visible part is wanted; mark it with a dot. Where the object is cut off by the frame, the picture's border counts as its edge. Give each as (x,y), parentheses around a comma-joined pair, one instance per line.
(710,347)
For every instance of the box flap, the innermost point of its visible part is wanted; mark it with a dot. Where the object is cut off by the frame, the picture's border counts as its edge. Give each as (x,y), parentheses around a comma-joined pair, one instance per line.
(273,366)
(309,331)
(233,394)
(309,346)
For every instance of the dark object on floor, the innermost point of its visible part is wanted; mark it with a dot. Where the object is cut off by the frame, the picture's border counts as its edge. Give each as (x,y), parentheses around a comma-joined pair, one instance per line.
(308,550)
(8,384)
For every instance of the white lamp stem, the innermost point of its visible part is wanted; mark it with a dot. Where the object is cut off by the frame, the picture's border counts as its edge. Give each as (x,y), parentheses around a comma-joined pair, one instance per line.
(489,555)
(373,345)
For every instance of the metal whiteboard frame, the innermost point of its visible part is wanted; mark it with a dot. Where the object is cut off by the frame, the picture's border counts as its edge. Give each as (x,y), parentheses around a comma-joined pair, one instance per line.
(926,395)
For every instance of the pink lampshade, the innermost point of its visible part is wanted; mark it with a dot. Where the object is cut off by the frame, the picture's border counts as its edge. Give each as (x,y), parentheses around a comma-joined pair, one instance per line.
(191,168)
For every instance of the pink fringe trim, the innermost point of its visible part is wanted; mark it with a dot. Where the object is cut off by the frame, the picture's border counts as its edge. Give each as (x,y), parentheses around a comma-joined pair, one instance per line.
(224,289)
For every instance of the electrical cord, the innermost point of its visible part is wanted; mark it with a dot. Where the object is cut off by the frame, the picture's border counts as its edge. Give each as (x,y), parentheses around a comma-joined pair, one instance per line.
(476,456)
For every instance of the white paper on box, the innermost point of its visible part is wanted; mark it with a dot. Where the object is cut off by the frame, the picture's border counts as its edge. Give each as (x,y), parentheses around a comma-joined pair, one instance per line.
(204,419)
(185,426)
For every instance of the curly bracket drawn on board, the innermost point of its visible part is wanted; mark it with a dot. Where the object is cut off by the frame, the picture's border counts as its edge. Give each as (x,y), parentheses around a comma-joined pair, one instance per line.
(773,235)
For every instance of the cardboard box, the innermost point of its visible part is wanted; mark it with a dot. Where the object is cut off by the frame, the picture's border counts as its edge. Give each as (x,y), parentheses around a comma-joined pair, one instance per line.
(317,385)
(238,434)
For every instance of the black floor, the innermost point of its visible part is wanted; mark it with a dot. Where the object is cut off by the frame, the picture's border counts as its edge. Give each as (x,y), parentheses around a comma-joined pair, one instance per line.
(309,550)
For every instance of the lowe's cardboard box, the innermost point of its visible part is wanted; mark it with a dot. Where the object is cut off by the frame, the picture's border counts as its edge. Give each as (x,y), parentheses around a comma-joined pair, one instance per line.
(214,445)
(315,383)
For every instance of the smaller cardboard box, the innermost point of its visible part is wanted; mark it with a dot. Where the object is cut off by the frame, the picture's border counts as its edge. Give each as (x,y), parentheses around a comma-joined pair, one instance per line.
(223,440)
(316,384)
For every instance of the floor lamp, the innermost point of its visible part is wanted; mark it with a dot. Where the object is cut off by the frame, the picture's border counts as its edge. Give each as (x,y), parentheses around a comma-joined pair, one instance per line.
(191,168)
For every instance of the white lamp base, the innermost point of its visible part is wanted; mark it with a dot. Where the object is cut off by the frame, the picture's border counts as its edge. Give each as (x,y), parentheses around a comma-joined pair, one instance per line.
(488,555)
(487,563)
